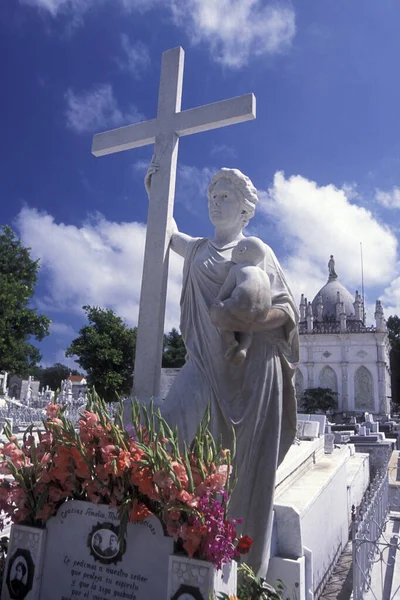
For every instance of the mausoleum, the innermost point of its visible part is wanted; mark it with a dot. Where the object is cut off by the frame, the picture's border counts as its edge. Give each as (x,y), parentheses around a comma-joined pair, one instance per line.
(339,351)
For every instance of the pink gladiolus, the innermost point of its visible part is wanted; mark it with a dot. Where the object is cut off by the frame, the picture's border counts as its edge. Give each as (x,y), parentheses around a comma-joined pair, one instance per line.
(47,511)
(22,514)
(4,468)
(180,473)
(193,539)
(45,459)
(173,528)
(189,499)
(52,410)
(213,483)
(16,455)
(56,494)
(90,418)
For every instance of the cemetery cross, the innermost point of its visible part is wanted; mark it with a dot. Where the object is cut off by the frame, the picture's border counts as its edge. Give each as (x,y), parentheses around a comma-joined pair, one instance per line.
(164,132)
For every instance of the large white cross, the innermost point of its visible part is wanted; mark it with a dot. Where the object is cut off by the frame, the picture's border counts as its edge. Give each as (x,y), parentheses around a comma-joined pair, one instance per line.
(164,132)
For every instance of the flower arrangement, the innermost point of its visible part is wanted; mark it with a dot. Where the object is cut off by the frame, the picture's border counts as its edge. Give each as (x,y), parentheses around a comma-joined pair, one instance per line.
(141,472)
(254,588)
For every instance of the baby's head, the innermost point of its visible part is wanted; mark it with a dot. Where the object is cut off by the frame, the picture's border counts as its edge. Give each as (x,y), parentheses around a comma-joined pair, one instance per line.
(250,250)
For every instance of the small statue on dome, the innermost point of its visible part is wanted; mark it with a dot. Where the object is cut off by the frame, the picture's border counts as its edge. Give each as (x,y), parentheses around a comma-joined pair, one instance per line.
(331,267)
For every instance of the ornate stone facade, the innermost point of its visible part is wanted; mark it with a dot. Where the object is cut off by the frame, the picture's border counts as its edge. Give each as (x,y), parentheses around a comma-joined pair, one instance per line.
(338,350)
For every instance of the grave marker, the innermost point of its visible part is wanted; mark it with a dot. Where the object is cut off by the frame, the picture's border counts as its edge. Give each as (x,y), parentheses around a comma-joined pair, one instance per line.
(84,560)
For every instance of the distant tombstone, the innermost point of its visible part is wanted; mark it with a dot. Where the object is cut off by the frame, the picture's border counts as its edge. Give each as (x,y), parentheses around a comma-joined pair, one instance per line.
(329,443)
(307,430)
(321,419)
(84,560)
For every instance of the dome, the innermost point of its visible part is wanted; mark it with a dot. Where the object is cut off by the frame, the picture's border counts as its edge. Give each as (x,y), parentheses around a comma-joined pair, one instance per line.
(329,299)
(329,296)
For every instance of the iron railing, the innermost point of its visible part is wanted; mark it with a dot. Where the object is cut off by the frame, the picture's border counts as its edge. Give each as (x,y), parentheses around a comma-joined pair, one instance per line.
(370,546)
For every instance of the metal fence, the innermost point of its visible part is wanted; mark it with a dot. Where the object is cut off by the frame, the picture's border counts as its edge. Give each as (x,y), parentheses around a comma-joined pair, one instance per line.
(370,546)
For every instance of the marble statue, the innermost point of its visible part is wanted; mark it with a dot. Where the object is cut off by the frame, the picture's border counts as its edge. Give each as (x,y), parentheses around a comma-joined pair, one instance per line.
(245,294)
(257,399)
(331,267)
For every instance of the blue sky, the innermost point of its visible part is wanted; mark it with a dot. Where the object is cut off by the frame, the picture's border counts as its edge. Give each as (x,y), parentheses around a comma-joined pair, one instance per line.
(324,151)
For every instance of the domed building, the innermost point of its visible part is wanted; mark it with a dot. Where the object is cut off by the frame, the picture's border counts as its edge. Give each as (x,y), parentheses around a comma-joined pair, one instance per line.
(338,350)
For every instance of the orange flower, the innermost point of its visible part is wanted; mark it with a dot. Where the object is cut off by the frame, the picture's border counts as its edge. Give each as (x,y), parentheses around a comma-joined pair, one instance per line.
(139,512)
(193,536)
(180,473)
(142,478)
(123,461)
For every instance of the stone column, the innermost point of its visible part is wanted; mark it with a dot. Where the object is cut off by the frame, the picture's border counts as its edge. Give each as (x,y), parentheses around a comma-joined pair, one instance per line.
(345,386)
(310,374)
(384,403)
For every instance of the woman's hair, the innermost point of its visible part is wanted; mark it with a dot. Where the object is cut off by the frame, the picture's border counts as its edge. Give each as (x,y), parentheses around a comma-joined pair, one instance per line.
(23,567)
(247,192)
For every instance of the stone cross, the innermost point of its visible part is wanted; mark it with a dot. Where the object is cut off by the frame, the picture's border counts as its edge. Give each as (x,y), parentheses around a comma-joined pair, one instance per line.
(164,132)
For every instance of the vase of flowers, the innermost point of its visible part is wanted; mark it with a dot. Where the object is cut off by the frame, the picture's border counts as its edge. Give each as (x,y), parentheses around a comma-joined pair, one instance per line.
(140,470)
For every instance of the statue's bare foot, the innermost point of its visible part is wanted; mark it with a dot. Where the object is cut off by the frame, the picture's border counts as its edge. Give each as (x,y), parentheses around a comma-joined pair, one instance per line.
(231,349)
(239,358)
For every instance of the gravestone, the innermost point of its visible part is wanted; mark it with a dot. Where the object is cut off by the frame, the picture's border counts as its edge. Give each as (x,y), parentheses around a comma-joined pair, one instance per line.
(329,445)
(307,430)
(84,559)
(321,419)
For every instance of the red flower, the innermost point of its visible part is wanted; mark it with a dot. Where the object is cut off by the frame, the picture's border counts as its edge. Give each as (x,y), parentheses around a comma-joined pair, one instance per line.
(244,544)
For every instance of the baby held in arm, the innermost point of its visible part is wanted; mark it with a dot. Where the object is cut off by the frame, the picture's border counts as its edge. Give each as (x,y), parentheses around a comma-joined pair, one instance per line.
(245,296)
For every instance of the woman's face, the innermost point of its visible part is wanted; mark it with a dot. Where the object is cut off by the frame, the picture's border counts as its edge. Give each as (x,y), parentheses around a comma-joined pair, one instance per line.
(224,205)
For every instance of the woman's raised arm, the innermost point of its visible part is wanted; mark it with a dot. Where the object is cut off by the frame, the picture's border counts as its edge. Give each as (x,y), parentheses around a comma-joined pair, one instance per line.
(179,240)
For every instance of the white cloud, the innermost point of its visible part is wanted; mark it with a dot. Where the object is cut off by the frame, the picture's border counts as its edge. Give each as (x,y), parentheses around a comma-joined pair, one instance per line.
(390,199)
(191,185)
(62,329)
(316,221)
(234,30)
(391,296)
(97,263)
(223,152)
(96,109)
(52,6)
(136,56)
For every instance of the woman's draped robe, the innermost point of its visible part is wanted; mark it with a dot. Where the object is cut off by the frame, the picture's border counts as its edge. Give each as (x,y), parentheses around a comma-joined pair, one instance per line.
(257,399)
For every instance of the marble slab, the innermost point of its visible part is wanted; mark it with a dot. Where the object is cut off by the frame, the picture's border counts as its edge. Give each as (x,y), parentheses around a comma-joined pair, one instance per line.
(85,560)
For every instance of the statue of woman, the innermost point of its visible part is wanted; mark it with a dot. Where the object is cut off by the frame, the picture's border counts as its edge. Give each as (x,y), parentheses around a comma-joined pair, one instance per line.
(257,399)
(331,268)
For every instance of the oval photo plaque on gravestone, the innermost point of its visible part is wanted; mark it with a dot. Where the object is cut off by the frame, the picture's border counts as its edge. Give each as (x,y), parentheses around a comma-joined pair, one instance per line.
(84,559)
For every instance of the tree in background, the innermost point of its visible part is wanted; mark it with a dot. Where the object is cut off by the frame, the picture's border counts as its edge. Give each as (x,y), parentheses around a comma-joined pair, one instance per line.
(174,350)
(393,325)
(318,399)
(105,349)
(18,322)
(53,376)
